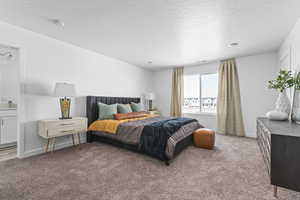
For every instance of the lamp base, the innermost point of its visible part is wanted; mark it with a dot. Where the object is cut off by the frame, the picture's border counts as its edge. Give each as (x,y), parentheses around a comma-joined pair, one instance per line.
(150,105)
(65,104)
(61,118)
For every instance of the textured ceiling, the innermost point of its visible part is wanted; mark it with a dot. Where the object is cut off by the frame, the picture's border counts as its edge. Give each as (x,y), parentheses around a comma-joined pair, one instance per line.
(166,32)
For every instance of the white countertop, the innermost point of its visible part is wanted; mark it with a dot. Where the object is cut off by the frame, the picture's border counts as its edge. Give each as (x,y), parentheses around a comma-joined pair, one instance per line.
(4,107)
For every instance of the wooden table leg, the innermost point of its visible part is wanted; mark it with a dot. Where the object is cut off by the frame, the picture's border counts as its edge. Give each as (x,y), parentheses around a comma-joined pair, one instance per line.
(73,139)
(78,135)
(275,191)
(53,146)
(47,145)
(50,144)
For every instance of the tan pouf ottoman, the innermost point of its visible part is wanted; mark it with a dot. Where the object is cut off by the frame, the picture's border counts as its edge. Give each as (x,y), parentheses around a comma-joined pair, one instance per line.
(204,138)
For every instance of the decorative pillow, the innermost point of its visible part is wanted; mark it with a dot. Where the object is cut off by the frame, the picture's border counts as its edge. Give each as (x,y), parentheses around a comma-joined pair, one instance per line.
(107,111)
(131,115)
(136,107)
(276,115)
(124,108)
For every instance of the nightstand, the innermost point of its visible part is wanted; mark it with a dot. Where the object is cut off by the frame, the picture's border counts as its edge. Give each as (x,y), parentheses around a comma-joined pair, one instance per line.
(53,128)
(154,112)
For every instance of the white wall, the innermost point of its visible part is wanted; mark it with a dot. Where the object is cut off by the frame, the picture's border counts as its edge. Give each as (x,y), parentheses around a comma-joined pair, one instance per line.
(289,53)
(45,61)
(254,73)
(257,99)
(162,84)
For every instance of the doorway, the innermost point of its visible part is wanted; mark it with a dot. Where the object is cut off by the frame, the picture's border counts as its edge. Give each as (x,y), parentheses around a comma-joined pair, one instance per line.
(9,100)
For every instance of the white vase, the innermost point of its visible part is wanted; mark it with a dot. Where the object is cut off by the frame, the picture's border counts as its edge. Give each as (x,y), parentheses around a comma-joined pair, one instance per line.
(296,107)
(283,103)
(297,116)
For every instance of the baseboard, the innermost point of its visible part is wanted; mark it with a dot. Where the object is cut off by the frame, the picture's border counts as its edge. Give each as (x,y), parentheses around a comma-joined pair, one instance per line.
(248,135)
(41,150)
(251,135)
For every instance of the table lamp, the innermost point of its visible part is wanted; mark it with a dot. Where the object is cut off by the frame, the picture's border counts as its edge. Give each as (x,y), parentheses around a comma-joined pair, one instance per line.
(150,97)
(65,91)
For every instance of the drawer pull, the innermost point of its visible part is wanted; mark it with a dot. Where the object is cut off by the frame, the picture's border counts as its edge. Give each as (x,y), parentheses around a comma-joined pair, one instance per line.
(66,124)
(66,131)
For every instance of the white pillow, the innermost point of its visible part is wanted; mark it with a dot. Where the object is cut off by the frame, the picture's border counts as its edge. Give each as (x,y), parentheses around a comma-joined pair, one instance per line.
(277,115)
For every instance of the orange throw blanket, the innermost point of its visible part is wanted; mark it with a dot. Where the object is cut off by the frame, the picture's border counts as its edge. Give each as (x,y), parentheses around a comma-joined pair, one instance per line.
(111,125)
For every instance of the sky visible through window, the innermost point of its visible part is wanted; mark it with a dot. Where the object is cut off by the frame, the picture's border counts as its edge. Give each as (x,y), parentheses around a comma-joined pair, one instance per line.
(202,99)
(191,86)
(209,85)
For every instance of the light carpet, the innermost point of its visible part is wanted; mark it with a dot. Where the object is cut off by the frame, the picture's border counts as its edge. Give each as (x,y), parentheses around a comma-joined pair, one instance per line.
(233,171)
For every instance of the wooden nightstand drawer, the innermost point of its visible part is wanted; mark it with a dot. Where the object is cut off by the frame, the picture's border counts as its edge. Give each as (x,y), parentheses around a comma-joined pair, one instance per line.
(65,124)
(67,130)
(154,112)
(56,127)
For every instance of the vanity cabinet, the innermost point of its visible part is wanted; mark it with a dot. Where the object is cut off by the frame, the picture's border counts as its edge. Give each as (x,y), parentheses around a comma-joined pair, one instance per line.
(8,126)
(8,129)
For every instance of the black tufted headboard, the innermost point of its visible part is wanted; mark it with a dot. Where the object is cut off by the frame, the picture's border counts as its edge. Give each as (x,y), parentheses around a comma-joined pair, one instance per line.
(92,101)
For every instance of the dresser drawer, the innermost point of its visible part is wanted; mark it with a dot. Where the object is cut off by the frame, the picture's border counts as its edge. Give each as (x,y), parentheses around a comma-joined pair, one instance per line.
(65,131)
(65,124)
(263,139)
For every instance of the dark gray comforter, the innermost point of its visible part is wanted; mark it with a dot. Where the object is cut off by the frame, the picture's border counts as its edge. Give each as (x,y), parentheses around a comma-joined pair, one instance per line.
(130,133)
(155,136)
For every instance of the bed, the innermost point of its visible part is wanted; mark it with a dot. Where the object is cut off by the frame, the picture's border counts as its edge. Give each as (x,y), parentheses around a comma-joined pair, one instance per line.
(159,137)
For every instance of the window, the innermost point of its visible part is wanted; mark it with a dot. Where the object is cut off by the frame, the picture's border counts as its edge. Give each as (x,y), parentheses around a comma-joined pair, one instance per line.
(200,93)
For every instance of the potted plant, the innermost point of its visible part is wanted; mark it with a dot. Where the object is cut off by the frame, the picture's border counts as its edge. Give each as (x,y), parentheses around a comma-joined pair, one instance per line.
(283,81)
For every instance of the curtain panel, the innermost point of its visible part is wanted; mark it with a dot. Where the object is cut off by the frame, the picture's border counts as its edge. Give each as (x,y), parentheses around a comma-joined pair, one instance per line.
(229,112)
(177,92)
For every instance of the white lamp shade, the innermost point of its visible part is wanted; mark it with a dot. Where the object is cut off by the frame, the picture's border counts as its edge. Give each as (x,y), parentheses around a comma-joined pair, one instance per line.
(64,90)
(150,96)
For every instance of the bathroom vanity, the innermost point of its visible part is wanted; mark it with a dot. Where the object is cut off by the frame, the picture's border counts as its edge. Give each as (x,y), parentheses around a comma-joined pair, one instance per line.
(8,124)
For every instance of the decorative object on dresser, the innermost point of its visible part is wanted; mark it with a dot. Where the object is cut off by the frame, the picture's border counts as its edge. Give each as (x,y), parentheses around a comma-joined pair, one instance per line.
(277,115)
(150,97)
(65,90)
(53,128)
(279,142)
(296,99)
(283,81)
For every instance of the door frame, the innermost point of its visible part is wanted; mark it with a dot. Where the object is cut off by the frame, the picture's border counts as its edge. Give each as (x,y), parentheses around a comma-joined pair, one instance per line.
(21,114)
(20,99)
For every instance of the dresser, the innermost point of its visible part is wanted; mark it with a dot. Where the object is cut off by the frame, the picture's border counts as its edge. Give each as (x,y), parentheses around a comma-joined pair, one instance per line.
(53,128)
(154,112)
(279,142)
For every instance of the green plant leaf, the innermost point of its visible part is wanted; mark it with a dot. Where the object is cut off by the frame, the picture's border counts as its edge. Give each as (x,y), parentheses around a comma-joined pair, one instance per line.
(283,81)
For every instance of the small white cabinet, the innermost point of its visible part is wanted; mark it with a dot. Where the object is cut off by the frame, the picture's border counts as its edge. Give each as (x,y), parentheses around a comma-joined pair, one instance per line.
(8,126)
(8,130)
